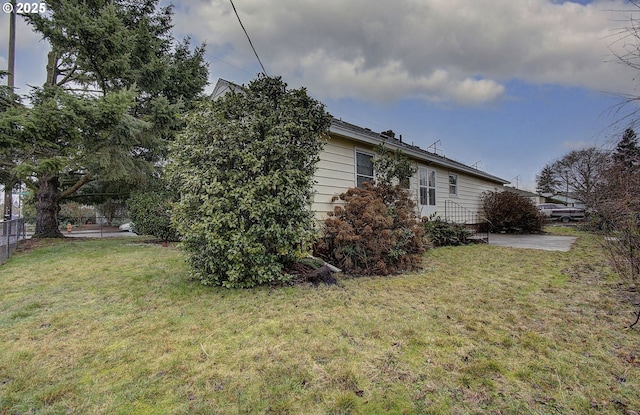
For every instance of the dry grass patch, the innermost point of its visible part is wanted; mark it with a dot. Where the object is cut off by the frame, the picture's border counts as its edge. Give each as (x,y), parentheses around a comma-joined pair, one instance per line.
(115,326)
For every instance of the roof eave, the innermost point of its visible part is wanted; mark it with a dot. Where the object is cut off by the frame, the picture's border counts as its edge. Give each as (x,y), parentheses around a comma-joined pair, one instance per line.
(369,137)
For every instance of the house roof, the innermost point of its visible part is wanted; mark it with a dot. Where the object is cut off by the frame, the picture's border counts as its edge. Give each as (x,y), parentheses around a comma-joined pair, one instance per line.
(364,135)
(521,192)
(223,86)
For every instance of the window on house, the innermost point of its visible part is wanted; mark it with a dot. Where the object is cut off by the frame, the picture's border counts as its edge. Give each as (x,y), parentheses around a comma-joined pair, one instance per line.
(364,168)
(453,184)
(427,187)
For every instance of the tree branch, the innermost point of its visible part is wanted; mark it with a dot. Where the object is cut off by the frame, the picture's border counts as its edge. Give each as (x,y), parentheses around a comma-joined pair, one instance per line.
(68,76)
(83,180)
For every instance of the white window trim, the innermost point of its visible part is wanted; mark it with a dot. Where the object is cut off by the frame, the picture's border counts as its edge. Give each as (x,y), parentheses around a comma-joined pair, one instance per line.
(434,187)
(355,164)
(456,185)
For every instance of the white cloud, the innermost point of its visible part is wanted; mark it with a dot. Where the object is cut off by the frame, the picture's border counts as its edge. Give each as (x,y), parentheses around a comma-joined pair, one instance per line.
(387,82)
(436,50)
(454,50)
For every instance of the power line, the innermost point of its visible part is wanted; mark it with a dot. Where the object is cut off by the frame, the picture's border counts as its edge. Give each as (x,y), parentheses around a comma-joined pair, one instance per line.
(264,71)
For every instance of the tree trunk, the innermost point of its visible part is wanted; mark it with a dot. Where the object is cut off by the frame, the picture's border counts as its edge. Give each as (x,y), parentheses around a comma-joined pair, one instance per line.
(47,206)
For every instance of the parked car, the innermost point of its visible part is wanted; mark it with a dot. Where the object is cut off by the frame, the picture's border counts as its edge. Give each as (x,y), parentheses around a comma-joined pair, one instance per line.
(126,227)
(556,211)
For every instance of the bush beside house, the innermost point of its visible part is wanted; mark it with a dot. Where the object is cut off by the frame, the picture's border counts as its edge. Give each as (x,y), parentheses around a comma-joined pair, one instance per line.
(375,232)
(511,213)
(443,233)
(244,167)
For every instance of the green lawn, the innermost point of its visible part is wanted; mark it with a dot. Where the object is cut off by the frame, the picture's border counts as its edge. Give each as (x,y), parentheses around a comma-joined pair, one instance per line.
(114,326)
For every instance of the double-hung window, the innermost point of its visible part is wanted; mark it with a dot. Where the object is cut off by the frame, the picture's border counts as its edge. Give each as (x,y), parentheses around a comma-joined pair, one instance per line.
(364,167)
(427,186)
(453,184)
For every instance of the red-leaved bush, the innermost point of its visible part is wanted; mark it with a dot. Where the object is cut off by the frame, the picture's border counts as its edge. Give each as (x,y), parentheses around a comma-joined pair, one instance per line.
(375,232)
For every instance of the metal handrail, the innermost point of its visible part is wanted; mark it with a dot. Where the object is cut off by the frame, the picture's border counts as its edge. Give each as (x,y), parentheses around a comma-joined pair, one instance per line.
(453,212)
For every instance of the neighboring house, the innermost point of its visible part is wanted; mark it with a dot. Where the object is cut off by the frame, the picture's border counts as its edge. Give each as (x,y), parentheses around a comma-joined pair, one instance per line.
(536,198)
(346,161)
(562,198)
(570,200)
(222,87)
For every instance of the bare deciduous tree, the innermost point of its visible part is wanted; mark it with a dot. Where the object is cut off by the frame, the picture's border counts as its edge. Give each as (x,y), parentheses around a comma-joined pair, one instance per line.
(619,210)
(578,172)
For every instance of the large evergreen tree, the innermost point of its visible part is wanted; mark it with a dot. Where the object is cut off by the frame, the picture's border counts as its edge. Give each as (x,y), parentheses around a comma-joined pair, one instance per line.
(116,83)
(621,183)
(547,180)
(11,111)
(627,152)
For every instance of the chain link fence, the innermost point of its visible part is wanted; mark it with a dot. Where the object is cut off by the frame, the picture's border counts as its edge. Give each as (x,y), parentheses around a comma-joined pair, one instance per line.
(12,232)
(16,230)
(94,226)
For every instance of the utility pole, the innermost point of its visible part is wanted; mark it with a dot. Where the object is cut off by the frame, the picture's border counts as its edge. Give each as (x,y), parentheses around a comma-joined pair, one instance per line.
(517,180)
(12,46)
(8,185)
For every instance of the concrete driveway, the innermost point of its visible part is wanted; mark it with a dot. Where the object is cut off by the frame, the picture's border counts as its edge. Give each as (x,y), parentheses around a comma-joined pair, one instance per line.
(545,242)
(97,234)
(91,234)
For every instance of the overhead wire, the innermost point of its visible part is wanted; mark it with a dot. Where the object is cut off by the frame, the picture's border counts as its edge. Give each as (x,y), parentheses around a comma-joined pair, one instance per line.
(264,71)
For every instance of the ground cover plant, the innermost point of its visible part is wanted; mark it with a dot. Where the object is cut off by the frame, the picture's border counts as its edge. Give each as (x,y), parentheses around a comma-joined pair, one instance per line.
(440,232)
(116,327)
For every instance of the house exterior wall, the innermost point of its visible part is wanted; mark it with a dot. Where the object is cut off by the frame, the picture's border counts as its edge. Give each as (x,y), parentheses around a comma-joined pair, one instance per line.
(469,190)
(336,173)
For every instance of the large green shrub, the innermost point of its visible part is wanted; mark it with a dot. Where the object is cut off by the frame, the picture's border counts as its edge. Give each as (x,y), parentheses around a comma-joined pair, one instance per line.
(244,167)
(512,213)
(150,212)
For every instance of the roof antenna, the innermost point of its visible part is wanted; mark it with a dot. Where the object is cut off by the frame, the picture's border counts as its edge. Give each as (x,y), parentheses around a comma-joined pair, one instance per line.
(434,146)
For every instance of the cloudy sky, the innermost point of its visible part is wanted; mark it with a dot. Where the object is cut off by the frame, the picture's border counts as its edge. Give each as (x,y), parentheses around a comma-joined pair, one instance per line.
(508,85)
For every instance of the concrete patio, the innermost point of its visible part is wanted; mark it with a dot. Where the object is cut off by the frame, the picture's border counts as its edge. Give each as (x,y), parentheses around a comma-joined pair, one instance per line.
(544,242)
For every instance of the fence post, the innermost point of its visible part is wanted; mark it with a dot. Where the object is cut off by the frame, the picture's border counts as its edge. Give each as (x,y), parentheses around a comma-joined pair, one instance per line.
(7,229)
